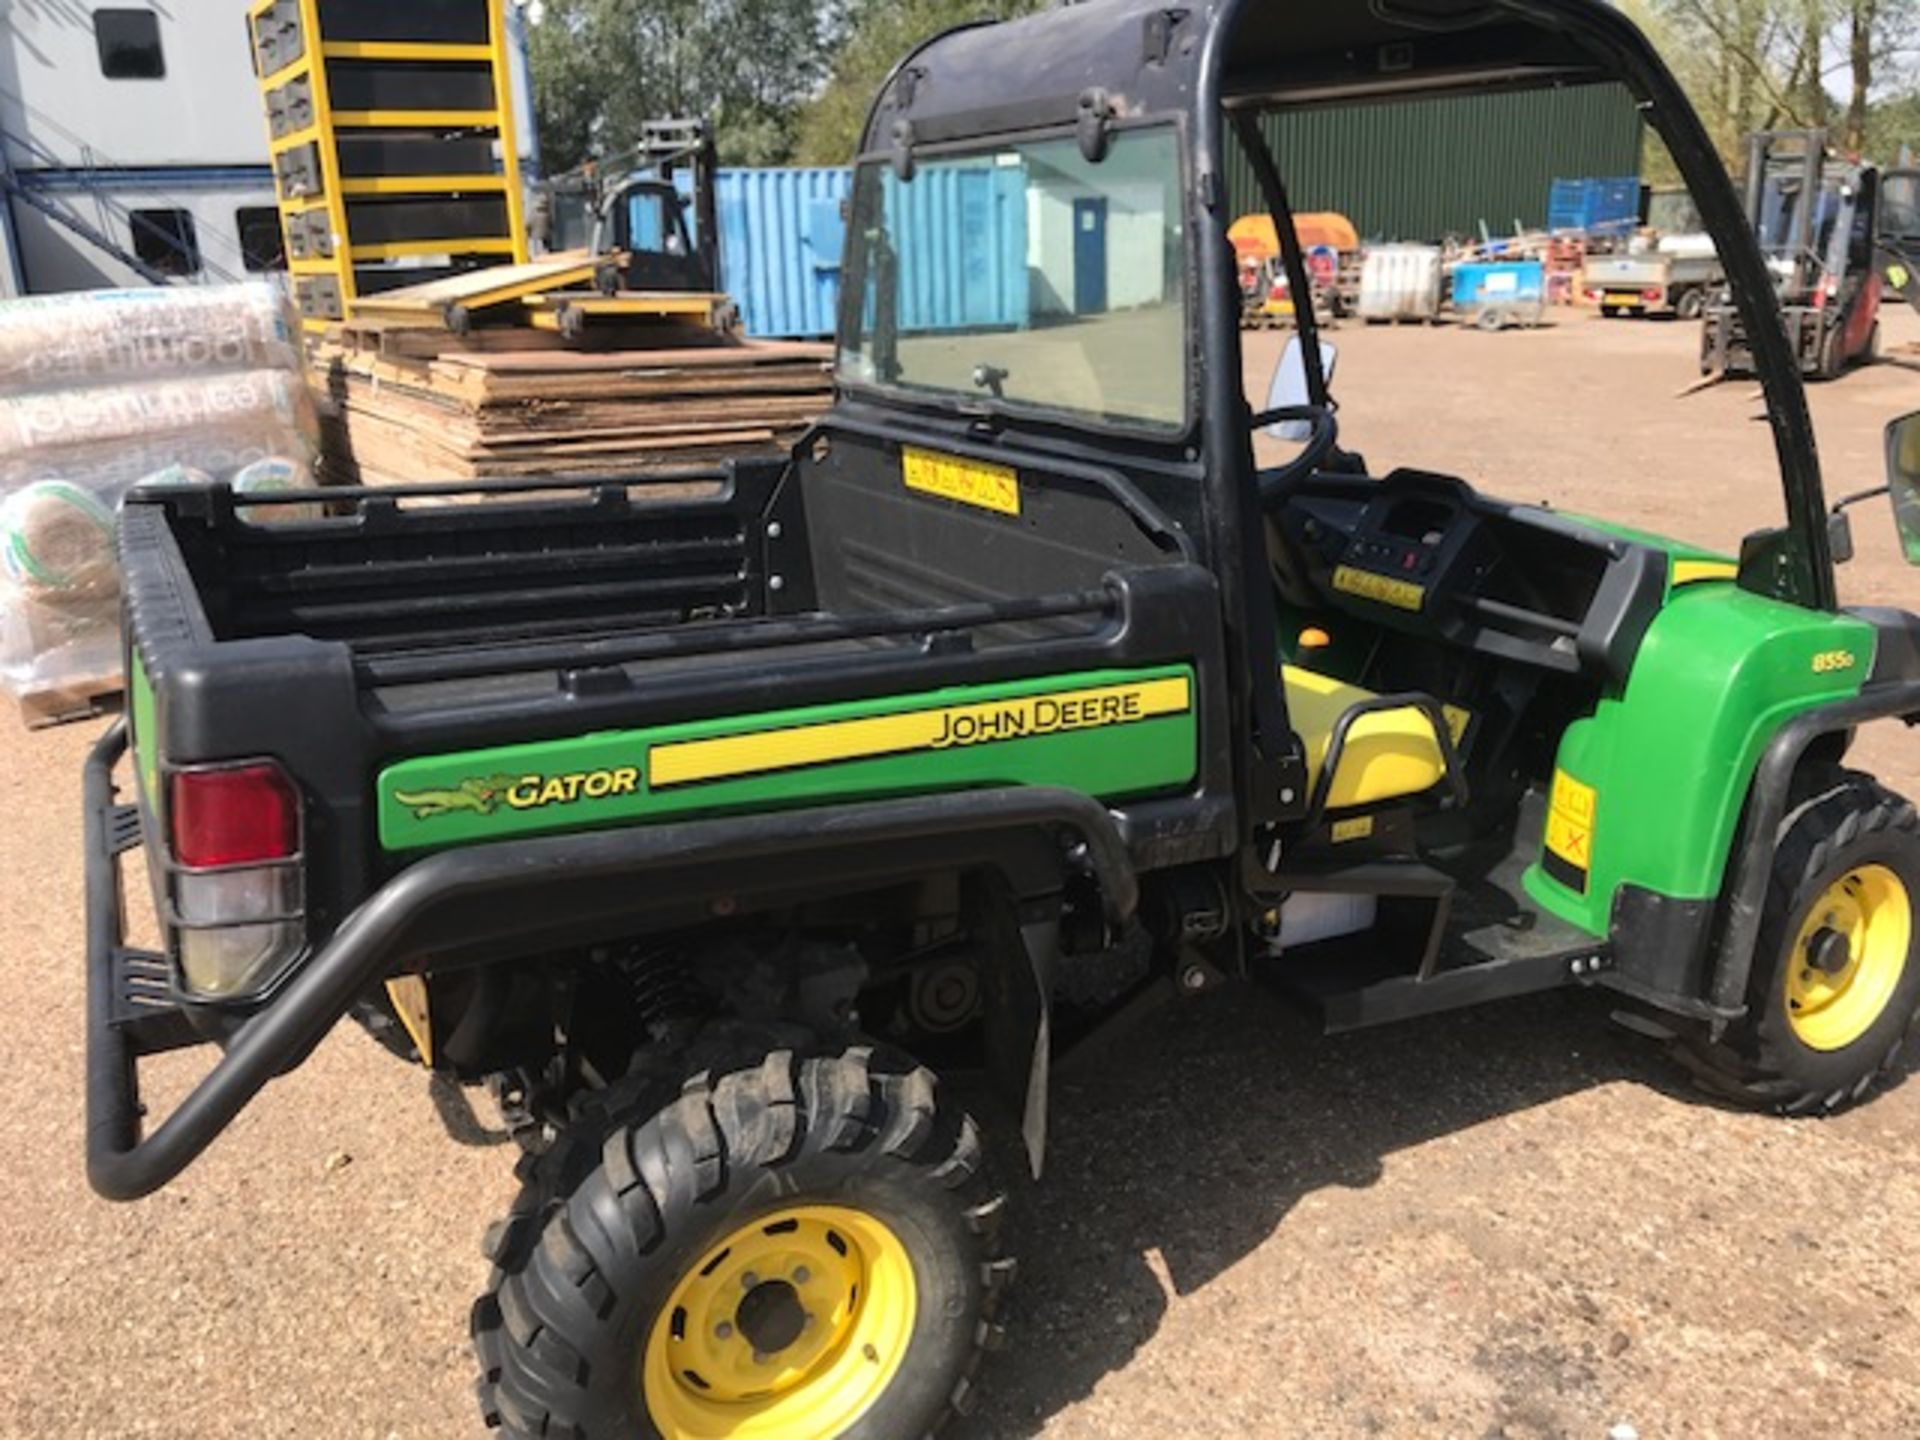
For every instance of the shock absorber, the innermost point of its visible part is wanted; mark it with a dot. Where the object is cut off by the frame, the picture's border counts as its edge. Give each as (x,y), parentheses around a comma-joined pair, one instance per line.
(664,995)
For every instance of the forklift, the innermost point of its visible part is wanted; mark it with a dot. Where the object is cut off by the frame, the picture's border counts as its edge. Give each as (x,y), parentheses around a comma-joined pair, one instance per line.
(656,237)
(1817,217)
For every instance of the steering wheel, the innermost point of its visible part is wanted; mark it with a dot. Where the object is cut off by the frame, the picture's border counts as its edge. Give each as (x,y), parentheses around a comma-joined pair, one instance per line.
(1325,435)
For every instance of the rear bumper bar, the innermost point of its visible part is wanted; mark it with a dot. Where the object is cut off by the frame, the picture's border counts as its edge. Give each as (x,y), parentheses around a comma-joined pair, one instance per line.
(457,895)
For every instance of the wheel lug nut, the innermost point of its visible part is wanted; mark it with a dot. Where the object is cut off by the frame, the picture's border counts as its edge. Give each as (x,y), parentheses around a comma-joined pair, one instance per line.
(723,1331)
(759,1357)
(801,1275)
(749,1280)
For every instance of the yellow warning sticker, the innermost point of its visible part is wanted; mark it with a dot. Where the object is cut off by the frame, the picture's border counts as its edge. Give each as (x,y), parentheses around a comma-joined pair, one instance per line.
(970,482)
(1569,840)
(1401,594)
(1358,828)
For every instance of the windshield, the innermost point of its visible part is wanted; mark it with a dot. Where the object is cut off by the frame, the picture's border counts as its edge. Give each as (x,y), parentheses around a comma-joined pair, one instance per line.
(1026,277)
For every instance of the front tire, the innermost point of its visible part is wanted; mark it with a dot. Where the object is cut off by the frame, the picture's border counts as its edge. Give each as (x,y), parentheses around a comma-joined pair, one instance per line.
(797,1245)
(1835,987)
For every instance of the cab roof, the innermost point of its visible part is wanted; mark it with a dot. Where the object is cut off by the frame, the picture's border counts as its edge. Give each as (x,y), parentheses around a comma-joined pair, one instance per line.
(1150,58)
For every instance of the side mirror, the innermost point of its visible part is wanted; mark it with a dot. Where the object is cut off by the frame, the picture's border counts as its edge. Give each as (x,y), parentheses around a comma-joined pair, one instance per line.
(1903,481)
(1289,388)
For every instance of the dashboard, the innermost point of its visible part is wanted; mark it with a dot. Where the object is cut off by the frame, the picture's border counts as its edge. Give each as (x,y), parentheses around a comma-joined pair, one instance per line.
(1427,555)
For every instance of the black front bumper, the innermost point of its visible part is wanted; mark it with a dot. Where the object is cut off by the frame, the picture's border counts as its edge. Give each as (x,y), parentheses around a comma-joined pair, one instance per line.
(509,893)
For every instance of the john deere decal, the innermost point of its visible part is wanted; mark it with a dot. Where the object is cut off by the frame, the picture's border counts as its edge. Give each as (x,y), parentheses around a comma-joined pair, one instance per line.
(1107,733)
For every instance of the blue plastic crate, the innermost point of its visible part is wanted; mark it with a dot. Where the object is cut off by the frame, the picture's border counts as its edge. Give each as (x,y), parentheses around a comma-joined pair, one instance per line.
(1595,206)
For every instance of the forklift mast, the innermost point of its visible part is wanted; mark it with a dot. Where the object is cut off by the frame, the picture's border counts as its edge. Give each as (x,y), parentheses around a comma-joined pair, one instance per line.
(1803,203)
(665,148)
(596,205)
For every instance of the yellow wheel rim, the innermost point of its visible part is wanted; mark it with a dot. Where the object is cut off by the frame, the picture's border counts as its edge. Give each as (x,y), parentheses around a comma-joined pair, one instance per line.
(1848,958)
(790,1326)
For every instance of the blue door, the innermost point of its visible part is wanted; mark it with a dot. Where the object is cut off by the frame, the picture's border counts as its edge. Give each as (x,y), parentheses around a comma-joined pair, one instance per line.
(1090,256)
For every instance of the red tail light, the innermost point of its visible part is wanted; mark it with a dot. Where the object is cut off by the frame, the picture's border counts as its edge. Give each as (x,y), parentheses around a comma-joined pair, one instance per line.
(1652,297)
(239,816)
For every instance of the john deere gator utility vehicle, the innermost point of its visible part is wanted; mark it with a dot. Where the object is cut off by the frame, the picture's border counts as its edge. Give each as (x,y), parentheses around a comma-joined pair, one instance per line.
(705,827)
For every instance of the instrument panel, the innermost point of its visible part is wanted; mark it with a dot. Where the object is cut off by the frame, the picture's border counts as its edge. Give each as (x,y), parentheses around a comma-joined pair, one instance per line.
(1428,555)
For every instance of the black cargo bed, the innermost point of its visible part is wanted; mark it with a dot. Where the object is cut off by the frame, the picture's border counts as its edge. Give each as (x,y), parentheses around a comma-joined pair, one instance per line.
(500,593)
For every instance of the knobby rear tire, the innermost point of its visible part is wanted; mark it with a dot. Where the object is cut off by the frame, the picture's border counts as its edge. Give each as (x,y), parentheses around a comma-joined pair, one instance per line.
(611,1218)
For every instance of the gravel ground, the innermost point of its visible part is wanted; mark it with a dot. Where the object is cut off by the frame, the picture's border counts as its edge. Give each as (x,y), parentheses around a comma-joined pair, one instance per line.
(1513,1222)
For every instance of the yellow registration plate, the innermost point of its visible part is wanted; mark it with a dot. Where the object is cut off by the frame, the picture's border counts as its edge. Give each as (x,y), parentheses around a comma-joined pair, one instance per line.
(969,482)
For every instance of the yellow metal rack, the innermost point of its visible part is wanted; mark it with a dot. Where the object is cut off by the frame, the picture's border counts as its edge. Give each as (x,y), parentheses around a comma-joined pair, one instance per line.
(391,132)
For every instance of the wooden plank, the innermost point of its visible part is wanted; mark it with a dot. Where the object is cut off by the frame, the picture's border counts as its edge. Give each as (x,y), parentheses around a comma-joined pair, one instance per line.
(482,395)
(570,267)
(750,352)
(362,383)
(416,404)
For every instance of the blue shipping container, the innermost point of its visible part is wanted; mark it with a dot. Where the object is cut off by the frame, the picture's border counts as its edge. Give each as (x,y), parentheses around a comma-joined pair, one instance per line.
(1608,206)
(782,234)
(960,232)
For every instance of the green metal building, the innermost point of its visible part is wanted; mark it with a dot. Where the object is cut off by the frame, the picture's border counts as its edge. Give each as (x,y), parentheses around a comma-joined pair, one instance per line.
(1426,169)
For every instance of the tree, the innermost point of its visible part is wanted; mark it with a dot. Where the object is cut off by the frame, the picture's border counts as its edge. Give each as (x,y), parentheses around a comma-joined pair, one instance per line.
(872,37)
(1768,64)
(603,67)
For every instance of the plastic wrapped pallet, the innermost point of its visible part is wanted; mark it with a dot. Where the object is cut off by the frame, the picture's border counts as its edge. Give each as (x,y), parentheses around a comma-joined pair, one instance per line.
(98,393)
(108,437)
(100,336)
(59,595)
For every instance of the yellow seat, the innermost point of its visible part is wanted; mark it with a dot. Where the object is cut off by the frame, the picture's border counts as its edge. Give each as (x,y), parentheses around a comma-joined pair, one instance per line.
(1389,755)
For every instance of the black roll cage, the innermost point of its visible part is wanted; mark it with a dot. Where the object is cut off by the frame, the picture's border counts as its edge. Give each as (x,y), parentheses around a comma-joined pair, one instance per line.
(957,85)
(1224,62)
(1625,55)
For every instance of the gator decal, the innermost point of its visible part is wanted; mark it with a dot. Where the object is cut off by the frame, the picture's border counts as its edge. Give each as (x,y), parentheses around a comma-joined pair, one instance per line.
(479,796)
(1107,733)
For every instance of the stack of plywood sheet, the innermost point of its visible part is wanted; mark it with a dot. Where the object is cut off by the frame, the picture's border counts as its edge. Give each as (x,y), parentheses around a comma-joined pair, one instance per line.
(409,406)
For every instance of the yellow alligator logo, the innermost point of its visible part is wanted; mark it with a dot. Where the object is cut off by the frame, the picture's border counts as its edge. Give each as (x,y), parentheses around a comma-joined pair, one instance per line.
(478,797)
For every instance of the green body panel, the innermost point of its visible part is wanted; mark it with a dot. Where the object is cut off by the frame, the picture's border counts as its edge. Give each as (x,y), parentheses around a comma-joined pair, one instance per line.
(466,796)
(1676,549)
(145,737)
(1671,758)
